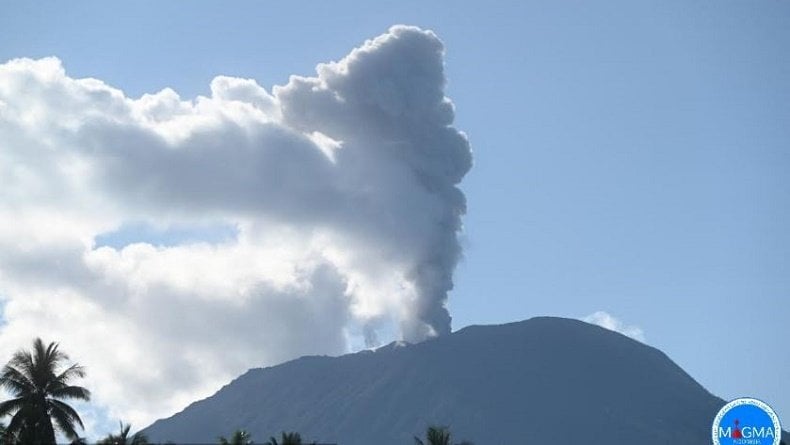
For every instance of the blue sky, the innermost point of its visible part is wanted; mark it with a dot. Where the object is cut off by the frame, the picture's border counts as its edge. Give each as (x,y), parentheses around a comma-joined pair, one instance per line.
(629,156)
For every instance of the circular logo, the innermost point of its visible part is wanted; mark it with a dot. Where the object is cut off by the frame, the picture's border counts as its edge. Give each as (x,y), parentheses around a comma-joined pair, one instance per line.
(746,421)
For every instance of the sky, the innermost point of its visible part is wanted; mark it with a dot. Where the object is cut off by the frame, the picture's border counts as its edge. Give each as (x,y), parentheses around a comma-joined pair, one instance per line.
(629,166)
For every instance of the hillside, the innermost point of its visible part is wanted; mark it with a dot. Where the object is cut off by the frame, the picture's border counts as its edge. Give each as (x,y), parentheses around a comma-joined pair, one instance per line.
(544,380)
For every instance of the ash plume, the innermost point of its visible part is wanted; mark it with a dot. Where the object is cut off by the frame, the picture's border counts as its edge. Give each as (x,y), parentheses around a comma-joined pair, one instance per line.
(341,190)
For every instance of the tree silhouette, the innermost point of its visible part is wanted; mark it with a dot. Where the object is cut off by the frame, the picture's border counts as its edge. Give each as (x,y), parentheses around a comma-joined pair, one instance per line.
(291,438)
(39,381)
(123,437)
(435,435)
(239,437)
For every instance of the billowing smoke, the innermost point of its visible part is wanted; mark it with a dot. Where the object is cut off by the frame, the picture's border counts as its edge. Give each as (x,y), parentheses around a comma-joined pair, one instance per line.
(340,192)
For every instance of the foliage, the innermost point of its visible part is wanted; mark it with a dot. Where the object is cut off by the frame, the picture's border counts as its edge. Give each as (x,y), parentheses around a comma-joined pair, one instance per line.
(239,437)
(123,437)
(291,438)
(38,383)
(437,435)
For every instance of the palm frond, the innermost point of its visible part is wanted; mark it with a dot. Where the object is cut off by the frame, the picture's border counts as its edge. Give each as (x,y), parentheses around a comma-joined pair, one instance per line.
(292,438)
(124,431)
(11,406)
(70,392)
(41,370)
(65,420)
(15,381)
(16,423)
(57,405)
(437,435)
(73,371)
(53,353)
(23,362)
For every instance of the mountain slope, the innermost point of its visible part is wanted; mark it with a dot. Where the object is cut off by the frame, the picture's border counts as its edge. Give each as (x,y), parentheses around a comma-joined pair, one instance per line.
(544,380)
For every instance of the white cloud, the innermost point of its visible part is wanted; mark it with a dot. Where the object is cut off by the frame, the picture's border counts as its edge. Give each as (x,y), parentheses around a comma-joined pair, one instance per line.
(343,188)
(607,321)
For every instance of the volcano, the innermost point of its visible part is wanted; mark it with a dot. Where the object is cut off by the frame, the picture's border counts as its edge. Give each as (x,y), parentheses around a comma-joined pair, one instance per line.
(543,380)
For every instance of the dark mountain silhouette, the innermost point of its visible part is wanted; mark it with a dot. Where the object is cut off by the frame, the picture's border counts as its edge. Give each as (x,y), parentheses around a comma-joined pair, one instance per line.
(544,380)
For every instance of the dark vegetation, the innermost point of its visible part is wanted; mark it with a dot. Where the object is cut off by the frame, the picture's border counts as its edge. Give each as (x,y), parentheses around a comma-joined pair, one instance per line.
(40,381)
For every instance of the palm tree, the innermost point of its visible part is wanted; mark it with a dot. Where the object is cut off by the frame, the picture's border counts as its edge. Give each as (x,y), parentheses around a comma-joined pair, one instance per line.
(123,438)
(286,439)
(239,437)
(436,435)
(38,382)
